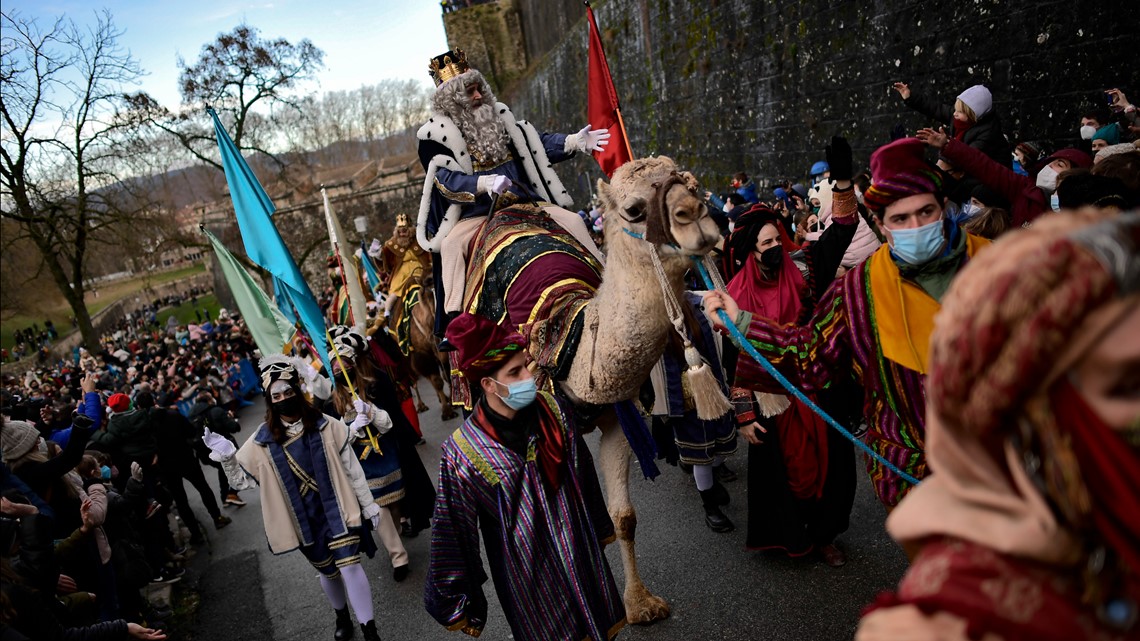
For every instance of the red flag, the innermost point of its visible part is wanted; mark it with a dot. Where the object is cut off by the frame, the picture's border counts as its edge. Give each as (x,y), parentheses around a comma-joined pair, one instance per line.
(602,105)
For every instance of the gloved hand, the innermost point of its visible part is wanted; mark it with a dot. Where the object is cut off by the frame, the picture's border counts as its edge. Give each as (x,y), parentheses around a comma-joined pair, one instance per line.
(308,372)
(358,424)
(839,158)
(82,421)
(493,184)
(136,471)
(372,513)
(221,448)
(361,407)
(588,140)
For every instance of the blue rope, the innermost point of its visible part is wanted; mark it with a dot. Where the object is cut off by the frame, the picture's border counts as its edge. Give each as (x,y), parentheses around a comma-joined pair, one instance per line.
(741,342)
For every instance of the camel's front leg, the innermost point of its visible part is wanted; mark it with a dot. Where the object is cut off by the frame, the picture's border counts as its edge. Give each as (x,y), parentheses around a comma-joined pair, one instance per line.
(641,606)
(447,410)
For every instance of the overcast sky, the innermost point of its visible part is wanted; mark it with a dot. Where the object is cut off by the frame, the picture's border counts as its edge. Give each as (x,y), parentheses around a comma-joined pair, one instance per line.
(364,41)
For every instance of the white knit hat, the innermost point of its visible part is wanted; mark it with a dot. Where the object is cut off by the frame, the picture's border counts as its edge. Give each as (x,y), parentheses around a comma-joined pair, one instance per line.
(977,98)
(18,438)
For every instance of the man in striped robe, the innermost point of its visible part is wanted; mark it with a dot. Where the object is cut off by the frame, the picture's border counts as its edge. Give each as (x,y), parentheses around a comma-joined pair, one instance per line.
(875,322)
(518,471)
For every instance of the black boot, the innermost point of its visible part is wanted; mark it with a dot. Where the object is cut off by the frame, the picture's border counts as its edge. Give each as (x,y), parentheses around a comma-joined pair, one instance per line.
(369,630)
(719,494)
(344,629)
(714,518)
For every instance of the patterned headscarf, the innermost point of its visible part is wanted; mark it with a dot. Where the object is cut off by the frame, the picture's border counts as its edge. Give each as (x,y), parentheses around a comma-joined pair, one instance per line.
(482,346)
(898,170)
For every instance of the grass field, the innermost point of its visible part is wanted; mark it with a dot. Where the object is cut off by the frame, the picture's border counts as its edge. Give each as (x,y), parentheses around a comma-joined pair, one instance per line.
(185,312)
(59,312)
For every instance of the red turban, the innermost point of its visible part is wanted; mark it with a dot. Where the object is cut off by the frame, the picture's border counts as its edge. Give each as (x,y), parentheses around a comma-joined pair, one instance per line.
(482,346)
(899,170)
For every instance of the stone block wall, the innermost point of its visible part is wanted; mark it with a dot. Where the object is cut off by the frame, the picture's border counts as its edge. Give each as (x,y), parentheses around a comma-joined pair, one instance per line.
(491,36)
(731,85)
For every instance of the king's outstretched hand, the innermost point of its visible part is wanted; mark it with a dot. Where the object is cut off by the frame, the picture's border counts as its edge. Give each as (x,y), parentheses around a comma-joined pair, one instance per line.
(589,140)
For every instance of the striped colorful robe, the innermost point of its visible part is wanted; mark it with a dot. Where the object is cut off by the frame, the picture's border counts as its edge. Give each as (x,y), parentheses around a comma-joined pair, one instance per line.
(842,337)
(544,546)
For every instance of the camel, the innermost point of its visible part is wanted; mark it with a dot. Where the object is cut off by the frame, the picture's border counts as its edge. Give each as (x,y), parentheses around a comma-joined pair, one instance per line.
(424,357)
(424,354)
(625,325)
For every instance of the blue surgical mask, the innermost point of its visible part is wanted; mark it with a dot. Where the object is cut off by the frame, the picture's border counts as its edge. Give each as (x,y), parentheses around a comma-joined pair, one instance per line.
(105,473)
(920,245)
(969,210)
(519,394)
(1055,202)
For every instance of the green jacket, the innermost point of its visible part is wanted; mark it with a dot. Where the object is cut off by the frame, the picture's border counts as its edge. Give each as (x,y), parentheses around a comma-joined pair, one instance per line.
(128,433)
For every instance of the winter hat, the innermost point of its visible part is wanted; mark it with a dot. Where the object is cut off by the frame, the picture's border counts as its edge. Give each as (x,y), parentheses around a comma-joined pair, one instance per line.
(1109,133)
(1076,157)
(1031,150)
(800,190)
(989,197)
(119,403)
(977,98)
(1085,189)
(17,439)
(819,167)
(482,346)
(899,169)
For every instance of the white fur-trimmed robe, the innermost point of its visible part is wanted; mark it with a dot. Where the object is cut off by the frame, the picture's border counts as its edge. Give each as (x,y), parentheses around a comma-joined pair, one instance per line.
(527,144)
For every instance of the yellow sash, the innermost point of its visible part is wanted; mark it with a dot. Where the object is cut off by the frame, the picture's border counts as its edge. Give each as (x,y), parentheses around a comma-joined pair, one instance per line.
(904,313)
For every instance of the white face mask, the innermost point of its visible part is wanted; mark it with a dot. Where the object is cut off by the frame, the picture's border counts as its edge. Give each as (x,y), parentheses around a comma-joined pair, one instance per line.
(1047,179)
(727,207)
(1087,132)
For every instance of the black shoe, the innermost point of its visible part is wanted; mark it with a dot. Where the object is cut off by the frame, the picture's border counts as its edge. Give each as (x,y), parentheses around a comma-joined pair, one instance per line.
(714,518)
(723,474)
(400,573)
(719,494)
(344,629)
(445,346)
(369,630)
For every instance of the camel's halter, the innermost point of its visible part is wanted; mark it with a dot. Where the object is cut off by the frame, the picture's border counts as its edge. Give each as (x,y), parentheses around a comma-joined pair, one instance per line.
(708,397)
(705,267)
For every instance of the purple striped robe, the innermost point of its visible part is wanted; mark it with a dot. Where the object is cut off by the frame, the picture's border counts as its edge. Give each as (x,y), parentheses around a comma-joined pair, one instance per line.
(840,338)
(544,547)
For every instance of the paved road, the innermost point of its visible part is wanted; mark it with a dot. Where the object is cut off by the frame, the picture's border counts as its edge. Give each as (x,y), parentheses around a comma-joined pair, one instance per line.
(717,589)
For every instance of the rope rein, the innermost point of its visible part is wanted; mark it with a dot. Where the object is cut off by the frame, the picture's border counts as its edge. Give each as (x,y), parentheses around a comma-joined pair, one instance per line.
(704,268)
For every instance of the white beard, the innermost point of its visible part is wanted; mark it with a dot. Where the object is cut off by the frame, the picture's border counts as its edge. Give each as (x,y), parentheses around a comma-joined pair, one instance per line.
(485,134)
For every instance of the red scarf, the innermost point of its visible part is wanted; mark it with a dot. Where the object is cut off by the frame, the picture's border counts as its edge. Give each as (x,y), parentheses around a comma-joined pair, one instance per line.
(1109,468)
(960,129)
(550,449)
(776,300)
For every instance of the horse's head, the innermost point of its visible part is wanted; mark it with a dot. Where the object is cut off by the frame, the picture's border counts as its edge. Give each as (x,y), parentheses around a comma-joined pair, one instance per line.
(650,198)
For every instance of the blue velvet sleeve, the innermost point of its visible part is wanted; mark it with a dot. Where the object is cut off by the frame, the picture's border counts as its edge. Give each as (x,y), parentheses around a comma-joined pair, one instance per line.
(456,186)
(555,146)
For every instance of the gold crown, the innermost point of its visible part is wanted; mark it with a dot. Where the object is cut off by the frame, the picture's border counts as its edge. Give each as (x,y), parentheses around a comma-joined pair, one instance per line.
(447,66)
(402,220)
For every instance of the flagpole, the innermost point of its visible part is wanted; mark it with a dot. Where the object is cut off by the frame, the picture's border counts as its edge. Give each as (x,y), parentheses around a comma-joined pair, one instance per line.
(624,134)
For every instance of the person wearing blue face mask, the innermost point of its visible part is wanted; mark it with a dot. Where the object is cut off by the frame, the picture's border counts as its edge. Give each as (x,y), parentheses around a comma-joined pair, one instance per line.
(518,472)
(878,317)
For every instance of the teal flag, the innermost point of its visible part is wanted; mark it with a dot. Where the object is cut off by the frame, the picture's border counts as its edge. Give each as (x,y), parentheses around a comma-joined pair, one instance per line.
(270,329)
(369,269)
(263,243)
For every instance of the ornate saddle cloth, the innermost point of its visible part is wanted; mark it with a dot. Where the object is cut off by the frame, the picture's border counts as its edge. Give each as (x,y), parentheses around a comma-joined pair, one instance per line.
(528,272)
(404,324)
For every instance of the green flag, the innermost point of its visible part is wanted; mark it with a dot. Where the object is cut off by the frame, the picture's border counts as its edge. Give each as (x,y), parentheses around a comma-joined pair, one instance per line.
(271,330)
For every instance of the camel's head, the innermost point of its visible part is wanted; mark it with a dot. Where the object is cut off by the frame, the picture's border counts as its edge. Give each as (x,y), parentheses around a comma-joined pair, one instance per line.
(651,198)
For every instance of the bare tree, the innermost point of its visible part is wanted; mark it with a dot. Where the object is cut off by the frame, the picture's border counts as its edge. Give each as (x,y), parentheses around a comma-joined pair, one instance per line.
(65,136)
(246,79)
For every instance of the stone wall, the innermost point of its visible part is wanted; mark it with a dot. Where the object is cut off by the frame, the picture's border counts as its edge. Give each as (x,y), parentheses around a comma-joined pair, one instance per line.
(491,36)
(730,85)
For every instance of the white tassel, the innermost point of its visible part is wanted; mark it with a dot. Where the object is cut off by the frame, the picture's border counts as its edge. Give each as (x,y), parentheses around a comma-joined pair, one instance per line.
(772,404)
(708,398)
